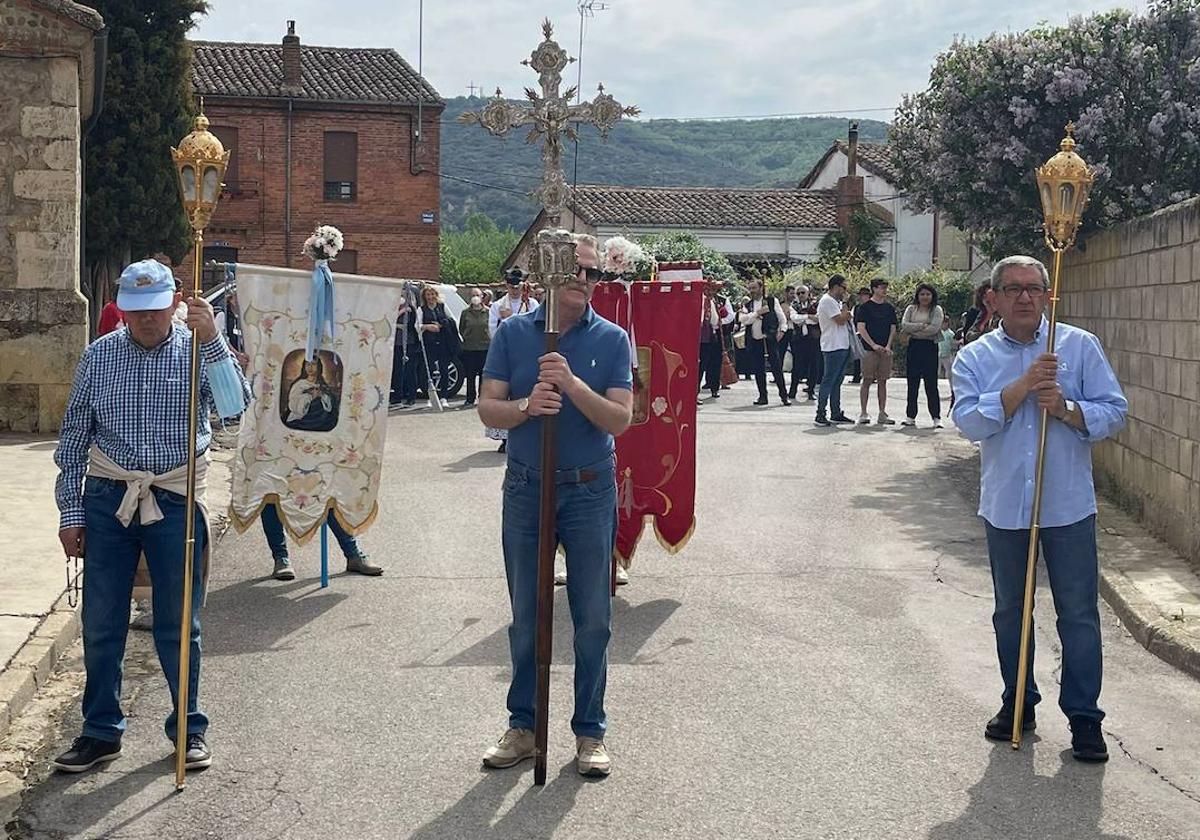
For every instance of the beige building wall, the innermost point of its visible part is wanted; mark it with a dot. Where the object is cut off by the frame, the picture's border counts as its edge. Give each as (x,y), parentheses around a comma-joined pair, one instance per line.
(1137,287)
(46,63)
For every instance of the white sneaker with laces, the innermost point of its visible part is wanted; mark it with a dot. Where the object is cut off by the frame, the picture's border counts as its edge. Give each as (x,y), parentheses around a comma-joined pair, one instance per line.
(622,576)
(591,758)
(863,419)
(937,424)
(514,746)
(908,421)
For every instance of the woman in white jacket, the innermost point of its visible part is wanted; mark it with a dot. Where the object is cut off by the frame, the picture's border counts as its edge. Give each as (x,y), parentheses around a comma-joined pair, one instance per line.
(922,323)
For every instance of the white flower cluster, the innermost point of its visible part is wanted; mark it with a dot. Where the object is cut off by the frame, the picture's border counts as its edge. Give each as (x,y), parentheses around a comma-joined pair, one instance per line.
(621,256)
(325,243)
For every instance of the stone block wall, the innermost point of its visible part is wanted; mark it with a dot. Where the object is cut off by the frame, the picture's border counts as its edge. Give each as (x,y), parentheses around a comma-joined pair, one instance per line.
(1137,287)
(44,47)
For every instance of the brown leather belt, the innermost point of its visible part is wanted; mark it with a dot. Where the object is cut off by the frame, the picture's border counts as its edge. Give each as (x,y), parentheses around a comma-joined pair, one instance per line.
(575,476)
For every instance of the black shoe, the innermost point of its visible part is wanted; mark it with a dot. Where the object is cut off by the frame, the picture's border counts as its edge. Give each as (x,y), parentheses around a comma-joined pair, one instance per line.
(86,753)
(792,394)
(841,418)
(855,381)
(808,395)
(198,755)
(503,446)
(1000,727)
(468,403)
(785,401)
(1087,740)
(716,395)
(761,401)
(822,420)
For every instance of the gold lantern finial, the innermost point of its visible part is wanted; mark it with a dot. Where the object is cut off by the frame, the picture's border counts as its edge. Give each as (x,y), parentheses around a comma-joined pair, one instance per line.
(1064,184)
(200,160)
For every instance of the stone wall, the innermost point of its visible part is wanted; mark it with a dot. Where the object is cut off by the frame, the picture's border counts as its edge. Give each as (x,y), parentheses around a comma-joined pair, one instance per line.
(45,60)
(1137,287)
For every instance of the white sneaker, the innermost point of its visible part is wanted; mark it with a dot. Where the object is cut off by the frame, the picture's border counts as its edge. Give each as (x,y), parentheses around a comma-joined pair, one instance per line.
(908,421)
(445,403)
(591,759)
(514,746)
(937,424)
(560,577)
(622,576)
(863,419)
(884,420)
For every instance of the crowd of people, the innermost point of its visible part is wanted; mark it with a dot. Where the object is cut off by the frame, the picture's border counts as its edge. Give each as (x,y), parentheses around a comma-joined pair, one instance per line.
(821,336)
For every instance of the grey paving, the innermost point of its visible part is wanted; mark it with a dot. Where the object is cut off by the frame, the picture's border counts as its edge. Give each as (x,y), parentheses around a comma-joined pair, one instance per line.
(818,664)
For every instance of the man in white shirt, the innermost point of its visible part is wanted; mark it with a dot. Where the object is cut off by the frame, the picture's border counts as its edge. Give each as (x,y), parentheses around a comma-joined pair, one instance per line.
(516,302)
(765,323)
(833,316)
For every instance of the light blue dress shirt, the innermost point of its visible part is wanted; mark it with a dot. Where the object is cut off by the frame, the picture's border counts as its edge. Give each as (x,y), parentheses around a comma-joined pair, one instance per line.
(1008,447)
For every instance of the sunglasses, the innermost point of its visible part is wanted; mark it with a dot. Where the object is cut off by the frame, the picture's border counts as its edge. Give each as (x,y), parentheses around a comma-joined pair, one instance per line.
(593,275)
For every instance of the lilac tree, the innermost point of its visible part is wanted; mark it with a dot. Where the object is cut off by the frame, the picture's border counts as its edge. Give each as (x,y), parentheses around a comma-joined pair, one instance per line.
(995,109)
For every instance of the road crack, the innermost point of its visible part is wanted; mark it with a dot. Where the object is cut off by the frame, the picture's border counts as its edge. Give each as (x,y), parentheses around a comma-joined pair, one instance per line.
(1154,771)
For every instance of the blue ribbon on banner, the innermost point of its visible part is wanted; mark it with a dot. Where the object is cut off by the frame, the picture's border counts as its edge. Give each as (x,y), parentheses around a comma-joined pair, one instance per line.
(320,308)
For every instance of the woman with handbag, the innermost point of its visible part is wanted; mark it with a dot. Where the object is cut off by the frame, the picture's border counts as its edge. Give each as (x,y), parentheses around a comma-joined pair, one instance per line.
(922,324)
(434,326)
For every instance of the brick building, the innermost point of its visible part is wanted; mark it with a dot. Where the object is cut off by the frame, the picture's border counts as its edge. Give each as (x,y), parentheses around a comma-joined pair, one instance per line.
(322,135)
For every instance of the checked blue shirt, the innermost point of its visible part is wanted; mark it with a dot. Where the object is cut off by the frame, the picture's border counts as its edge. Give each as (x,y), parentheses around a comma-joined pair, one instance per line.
(132,403)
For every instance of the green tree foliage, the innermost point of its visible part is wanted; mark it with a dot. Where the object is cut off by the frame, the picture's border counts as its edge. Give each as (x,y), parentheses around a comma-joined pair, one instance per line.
(731,153)
(867,232)
(477,252)
(133,208)
(995,109)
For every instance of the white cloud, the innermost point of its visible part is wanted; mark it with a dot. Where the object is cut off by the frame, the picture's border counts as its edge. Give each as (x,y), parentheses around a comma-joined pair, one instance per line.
(674,58)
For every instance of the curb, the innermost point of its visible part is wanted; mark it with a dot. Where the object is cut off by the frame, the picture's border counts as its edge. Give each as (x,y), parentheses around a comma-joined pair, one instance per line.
(33,664)
(1141,618)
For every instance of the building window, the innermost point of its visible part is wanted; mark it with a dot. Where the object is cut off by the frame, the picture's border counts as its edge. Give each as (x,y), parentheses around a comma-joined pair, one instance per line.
(229,139)
(346,262)
(211,276)
(341,165)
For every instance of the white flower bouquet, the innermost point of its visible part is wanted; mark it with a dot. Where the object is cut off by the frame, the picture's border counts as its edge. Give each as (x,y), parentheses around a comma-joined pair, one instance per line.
(324,244)
(622,257)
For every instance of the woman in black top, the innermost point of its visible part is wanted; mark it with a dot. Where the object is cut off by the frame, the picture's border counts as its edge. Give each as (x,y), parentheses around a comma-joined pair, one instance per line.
(434,326)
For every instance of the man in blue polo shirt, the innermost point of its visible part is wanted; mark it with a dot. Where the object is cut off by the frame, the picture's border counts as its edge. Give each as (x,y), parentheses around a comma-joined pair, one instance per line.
(588,385)
(1002,383)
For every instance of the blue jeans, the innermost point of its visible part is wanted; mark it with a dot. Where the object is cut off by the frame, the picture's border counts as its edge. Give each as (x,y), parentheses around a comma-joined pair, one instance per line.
(587,520)
(831,382)
(1071,562)
(111,562)
(273,531)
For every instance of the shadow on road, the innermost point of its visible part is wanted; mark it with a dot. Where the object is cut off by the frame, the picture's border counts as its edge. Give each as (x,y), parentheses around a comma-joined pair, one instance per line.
(1011,800)
(257,614)
(537,814)
(632,628)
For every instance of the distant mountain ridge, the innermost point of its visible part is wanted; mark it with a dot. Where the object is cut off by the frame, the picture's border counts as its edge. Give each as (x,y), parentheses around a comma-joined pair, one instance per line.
(686,153)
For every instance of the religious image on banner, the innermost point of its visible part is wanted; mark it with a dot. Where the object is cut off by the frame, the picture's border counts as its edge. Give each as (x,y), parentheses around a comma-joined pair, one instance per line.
(313,437)
(656,456)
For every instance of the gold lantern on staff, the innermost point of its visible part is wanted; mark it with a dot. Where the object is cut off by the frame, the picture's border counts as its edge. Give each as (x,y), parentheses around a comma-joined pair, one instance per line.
(1064,184)
(200,161)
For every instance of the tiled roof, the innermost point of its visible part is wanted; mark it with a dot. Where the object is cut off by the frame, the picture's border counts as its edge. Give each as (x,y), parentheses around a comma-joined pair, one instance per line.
(873,157)
(327,74)
(705,207)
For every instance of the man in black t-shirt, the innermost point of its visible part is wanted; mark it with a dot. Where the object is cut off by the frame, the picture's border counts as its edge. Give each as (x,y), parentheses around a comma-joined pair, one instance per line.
(875,323)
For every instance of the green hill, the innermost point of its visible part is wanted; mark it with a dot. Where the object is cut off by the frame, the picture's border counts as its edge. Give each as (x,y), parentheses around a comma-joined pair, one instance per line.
(728,153)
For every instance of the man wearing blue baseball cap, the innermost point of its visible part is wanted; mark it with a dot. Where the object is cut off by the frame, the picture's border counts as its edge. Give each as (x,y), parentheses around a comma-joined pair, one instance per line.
(122,458)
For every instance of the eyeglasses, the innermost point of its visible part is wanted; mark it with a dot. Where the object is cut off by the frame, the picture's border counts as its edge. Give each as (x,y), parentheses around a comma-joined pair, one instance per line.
(593,275)
(1014,292)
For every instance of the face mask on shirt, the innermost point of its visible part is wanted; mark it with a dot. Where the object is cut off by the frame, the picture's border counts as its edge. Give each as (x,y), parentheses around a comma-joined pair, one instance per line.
(476,300)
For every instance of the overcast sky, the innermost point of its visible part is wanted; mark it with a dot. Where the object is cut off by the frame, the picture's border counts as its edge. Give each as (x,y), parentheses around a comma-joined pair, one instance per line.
(673,58)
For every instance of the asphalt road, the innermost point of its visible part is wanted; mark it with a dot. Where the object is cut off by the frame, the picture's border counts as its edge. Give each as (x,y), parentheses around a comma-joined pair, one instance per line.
(818,663)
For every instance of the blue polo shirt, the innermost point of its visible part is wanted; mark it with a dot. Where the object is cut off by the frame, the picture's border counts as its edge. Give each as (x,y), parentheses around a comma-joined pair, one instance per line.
(597,351)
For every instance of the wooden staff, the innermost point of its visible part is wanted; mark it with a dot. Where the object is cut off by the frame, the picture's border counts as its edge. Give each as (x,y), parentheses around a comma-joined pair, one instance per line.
(547,546)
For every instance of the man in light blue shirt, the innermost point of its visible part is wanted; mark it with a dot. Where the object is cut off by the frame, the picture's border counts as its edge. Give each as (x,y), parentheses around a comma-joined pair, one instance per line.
(1002,382)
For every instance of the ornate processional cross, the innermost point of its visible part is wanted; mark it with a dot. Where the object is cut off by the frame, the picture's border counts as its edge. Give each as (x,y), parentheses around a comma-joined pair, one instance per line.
(551,116)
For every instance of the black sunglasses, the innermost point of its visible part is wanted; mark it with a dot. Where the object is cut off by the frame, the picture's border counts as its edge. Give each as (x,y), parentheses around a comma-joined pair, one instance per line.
(593,275)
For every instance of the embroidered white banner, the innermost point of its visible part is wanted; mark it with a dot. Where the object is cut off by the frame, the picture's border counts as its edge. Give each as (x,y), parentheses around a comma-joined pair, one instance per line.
(312,440)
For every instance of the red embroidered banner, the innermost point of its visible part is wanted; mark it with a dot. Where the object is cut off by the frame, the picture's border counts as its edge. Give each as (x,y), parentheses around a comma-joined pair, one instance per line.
(656,457)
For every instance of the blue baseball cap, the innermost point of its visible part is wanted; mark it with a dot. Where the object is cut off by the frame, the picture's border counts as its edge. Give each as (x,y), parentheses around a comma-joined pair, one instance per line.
(144,286)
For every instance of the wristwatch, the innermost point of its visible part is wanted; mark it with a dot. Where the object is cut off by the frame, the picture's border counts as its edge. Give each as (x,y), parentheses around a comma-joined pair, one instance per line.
(523,405)
(1068,407)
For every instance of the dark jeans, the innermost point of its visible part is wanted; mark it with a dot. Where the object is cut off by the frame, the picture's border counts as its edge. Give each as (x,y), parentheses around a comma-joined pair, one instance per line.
(586,523)
(472,362)
(921,365)
(806,361)
(831,382)
(710,367)
(437,352)
(762,353)
(273,530)
(404,374)
(112,558)
(1072,566)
